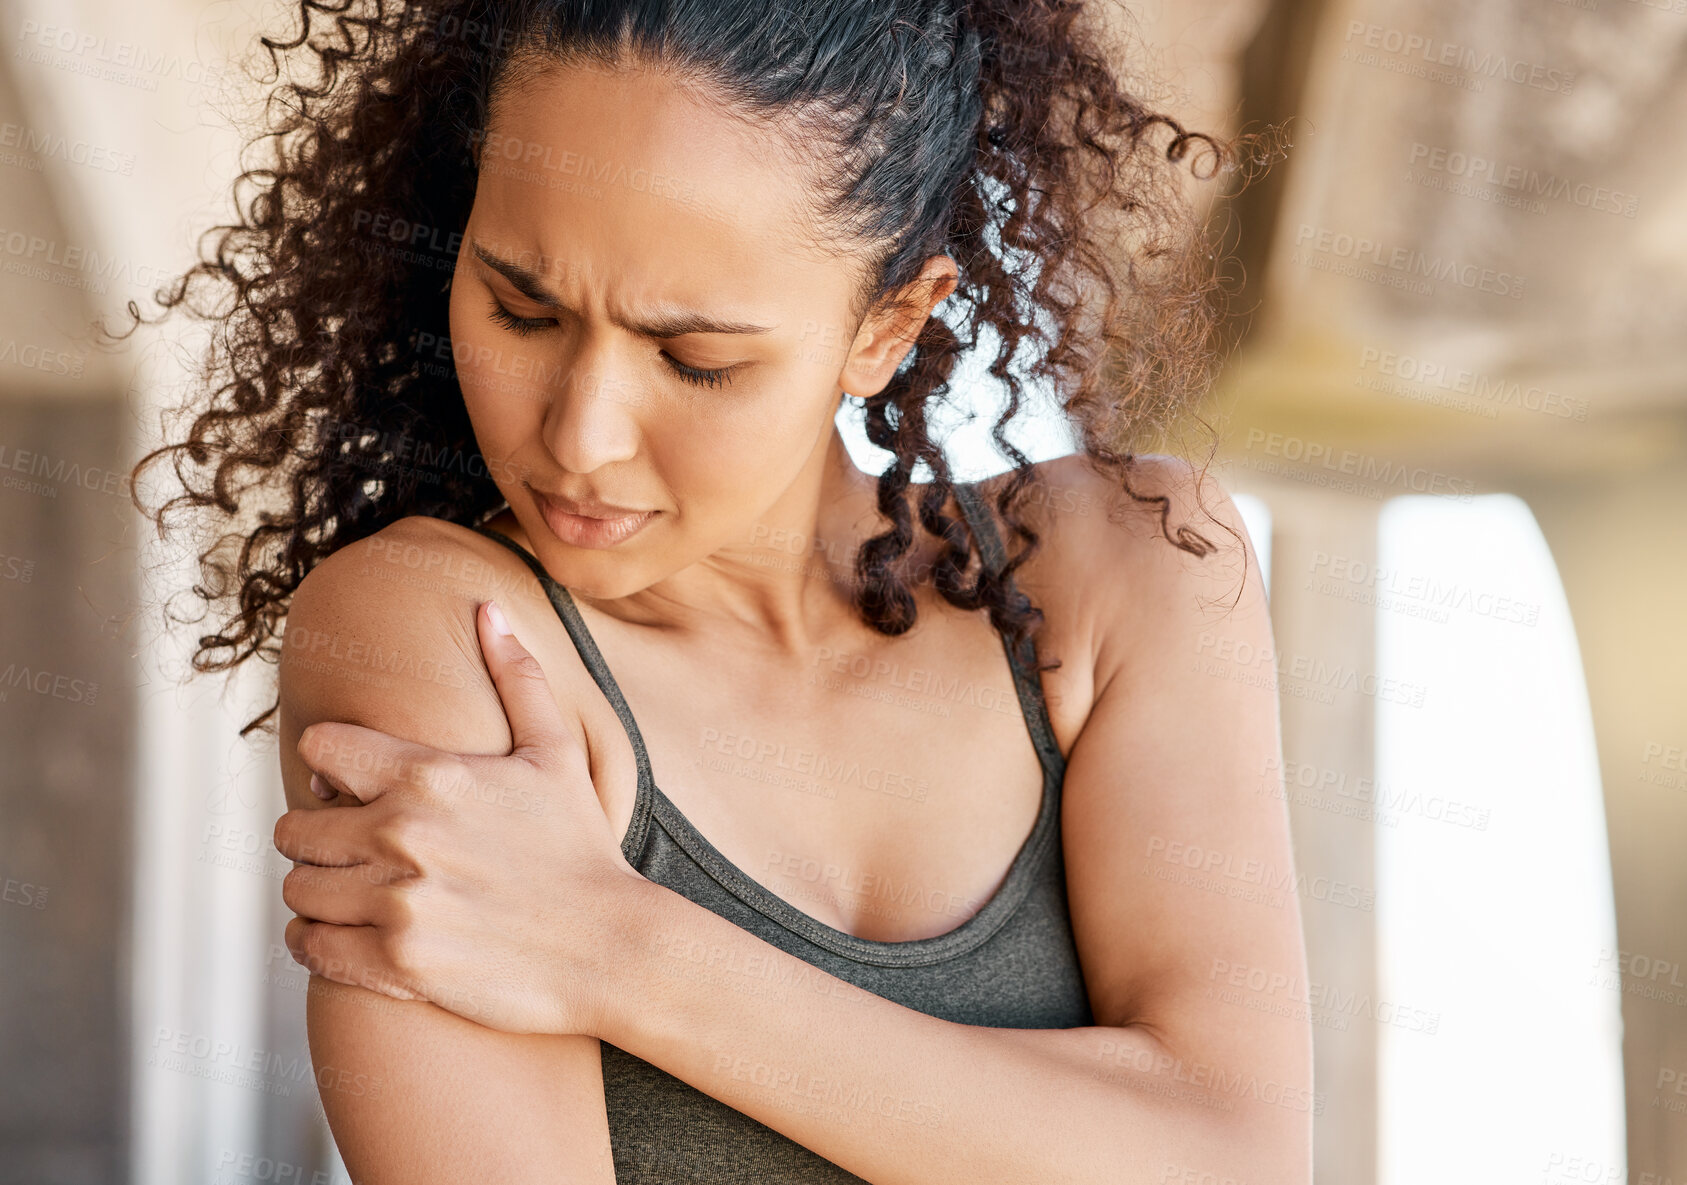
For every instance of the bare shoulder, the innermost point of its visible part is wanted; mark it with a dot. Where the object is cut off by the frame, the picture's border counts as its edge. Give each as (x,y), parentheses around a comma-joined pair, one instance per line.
(382,633)
(1166,516)
(1122,562)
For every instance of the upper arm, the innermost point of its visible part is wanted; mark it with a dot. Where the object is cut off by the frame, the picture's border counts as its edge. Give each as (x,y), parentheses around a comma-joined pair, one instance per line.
(1179,862)
(414,1094)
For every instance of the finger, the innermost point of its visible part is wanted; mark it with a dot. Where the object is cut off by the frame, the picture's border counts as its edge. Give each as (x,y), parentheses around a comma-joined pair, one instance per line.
(351,955)
(536,725)
(341,896)
(311,835)
(364,762)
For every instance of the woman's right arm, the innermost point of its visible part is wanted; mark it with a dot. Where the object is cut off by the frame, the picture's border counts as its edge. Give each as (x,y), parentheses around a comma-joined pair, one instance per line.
(416,1095)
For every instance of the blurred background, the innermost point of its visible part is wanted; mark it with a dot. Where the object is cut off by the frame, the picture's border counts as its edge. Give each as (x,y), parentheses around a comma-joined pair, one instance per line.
(1455,418)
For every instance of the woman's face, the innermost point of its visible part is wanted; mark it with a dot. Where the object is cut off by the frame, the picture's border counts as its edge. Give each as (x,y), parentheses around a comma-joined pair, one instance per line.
(637,322)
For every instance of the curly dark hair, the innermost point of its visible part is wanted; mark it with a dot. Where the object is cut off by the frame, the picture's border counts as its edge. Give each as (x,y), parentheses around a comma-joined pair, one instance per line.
(994,130)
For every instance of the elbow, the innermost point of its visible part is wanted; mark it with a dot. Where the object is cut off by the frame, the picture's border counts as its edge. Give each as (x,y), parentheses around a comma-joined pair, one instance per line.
(1213,1133)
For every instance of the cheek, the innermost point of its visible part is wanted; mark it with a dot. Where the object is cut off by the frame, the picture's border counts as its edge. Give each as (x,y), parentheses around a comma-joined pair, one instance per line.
(502,407)
(503,422)
(709,467)
(740,457)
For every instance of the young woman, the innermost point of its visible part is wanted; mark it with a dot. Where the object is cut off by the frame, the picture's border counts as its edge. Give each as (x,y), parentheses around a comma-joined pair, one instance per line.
(715,811)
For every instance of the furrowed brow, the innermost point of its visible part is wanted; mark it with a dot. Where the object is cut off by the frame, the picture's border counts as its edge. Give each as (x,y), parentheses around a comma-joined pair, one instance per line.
(667,322)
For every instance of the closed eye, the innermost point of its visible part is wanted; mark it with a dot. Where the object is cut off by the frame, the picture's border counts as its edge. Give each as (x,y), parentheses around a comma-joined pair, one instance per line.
(702,378)
(515,324)
(524,326)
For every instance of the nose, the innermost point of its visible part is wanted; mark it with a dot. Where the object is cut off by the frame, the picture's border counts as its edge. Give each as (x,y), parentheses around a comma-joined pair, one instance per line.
(593,419)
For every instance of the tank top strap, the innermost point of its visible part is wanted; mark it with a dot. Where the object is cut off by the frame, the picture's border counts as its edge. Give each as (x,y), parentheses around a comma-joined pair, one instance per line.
(1023,662)
(569,612)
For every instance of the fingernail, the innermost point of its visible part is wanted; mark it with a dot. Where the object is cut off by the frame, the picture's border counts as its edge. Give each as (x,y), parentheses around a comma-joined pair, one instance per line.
(496,616)
(320,788)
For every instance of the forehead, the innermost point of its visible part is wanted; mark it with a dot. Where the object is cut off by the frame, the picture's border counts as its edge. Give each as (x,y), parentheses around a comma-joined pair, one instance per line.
(631,177)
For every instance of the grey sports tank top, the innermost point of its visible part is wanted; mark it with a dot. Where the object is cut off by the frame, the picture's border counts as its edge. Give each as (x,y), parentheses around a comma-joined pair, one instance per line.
(1010,965)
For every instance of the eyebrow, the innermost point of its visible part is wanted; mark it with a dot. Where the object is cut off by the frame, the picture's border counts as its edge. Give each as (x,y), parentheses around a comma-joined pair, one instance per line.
(666,322)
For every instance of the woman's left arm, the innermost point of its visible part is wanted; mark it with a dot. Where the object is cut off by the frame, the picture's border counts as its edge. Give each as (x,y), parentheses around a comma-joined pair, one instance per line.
(1184,910)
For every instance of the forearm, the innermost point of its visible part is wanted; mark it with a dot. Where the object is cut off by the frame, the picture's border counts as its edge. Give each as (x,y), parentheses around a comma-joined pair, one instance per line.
(891,1094)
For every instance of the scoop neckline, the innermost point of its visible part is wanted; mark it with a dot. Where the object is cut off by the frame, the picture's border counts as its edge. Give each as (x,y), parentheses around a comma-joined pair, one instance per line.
(652,804)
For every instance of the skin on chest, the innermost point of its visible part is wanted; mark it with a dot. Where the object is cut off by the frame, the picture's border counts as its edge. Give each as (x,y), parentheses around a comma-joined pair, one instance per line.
(883,792)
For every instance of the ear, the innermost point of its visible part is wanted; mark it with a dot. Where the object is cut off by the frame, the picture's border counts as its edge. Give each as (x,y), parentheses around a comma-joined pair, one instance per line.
(889,331)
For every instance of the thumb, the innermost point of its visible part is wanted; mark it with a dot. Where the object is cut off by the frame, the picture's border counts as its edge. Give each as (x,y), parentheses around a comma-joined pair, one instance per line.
(536,727)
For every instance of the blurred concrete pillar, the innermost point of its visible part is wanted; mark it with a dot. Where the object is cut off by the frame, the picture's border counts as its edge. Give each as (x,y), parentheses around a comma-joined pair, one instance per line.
(66,724)
(66,704)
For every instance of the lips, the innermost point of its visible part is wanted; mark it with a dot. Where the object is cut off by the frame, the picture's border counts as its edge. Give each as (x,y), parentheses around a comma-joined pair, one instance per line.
(589,524)
(583,507)
(587,509)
